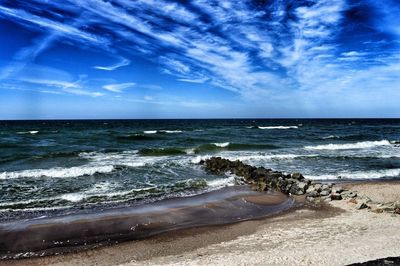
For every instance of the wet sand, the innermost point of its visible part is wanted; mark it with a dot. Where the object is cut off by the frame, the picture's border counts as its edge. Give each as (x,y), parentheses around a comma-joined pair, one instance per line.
(61,234)
(332,234)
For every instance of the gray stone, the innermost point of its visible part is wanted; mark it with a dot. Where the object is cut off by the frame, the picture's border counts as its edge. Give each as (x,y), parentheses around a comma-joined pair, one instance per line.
(348,194)
(302,185)
(310,199)
(312,193)
(324,193)
(325,187)
(336,189)
(318,187)
(361,206)
(336,196)
(297,176)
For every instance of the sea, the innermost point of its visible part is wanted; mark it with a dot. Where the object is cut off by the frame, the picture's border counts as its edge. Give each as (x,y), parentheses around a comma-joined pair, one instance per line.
(68,166)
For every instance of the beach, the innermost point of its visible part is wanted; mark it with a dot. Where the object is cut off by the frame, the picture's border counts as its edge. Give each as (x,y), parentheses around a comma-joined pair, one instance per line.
(120,192)
(335,233)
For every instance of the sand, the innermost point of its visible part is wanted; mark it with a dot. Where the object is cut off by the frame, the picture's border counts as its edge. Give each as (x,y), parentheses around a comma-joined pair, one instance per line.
(337,234)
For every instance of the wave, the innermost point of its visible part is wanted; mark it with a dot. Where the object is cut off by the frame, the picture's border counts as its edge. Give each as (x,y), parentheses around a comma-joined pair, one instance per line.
(222,145)
(161,151)
(222,182)
(28,132)
(278,127)
(150,131)
(232,147)
(348,146)
(136,137)
(350,137)
(375,174)
(162,131)
(59,172)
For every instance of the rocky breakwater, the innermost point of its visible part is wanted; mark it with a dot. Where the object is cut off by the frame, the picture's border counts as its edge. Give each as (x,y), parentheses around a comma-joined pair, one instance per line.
(264,179)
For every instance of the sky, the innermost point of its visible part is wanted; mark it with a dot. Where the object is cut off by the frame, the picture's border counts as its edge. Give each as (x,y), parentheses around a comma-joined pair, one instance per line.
(74,59)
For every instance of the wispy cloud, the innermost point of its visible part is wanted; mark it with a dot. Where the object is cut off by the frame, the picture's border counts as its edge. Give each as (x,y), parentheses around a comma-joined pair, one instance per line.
(200,80)
(121,63)
(118,87)
(304,52)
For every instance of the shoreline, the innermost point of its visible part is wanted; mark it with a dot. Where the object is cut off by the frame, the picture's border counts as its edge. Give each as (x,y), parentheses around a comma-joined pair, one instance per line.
(41,237)
(333,233)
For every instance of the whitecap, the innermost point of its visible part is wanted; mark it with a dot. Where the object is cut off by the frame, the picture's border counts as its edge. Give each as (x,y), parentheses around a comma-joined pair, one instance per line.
(348,146)
(150,131)
(59,172)
(222,182)
(28,132)
(374,174)
(222,144)
(279,127)
(172,131)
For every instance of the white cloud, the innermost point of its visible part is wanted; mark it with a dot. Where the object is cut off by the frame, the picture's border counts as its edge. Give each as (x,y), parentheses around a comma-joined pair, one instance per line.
(199,80)
(118,87)
(123,62)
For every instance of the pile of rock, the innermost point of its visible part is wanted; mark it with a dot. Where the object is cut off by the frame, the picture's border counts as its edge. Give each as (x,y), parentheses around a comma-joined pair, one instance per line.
(259,178)
(327,192)
(263,179)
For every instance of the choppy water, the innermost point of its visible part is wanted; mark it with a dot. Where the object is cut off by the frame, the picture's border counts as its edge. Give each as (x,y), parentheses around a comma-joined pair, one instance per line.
(53,165)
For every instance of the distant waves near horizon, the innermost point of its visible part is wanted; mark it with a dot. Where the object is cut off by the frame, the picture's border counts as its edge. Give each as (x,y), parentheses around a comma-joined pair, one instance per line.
(70,165)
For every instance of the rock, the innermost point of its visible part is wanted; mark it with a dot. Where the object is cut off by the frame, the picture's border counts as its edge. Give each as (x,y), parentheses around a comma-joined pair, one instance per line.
(326,187)
(377,210)
(324,193)
(337,189)
(297,176)
(336,196)
(361,206)
(312,193)
(310,199)
(326,198)
(348,194)
(353,200)
(318,187)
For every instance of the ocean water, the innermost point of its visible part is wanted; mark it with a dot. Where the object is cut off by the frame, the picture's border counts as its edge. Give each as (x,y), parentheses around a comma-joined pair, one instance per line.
(54,166)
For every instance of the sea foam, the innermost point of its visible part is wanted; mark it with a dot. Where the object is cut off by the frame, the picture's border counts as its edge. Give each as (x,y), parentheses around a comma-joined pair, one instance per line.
(58,172)
(279,127)
(374,174)
(348,146)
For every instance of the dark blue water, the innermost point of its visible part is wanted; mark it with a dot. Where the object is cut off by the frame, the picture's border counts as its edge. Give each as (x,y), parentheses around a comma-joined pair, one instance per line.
(53,165)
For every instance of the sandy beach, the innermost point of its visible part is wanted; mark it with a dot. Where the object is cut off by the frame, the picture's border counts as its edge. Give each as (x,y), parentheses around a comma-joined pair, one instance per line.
(332,234)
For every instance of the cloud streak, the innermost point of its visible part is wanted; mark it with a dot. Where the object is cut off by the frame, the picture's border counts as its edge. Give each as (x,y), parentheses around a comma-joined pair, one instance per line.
(122,63)
(298,52)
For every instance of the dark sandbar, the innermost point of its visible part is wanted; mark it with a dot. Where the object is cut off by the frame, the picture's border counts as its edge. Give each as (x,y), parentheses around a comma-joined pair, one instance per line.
(46,236)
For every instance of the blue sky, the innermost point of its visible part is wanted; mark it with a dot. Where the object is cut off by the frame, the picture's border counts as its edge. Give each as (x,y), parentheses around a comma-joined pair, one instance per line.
(199,59)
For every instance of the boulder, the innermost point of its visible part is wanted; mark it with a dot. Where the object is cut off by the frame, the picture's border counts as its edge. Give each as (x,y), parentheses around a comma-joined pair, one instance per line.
(361,206)
(337,189)
(297,176)
(312,193)
(324,193)
(348,194)
(336,196)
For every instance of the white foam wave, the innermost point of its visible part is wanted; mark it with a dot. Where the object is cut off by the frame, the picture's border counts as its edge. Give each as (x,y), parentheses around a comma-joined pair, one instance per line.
(150,131)
(359,174)
(162,131)
(127,158)
(222,144)
(58,172)
(28,132)
(222,182)
(279,127)
(330,137)
(348,146)
(172,131)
